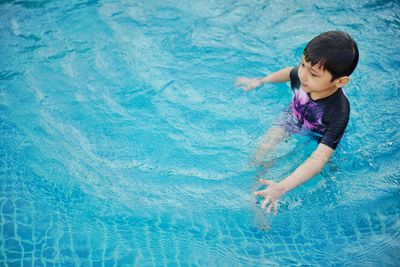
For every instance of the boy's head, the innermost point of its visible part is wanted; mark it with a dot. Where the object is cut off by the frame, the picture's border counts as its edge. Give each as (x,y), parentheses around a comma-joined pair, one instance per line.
(327,62)
(333,51)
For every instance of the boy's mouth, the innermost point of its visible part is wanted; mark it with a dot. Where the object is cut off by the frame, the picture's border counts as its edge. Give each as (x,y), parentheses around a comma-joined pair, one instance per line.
(305,88)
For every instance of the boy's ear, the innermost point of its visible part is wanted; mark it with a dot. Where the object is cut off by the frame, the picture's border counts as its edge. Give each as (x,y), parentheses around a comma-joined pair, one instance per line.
(342,81)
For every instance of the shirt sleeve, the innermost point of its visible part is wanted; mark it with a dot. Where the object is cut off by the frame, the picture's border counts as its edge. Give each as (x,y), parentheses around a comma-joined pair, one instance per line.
(294,77)
(336,125)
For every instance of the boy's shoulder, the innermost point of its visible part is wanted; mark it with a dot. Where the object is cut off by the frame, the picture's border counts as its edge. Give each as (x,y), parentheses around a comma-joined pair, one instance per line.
(339,101)
(294,77)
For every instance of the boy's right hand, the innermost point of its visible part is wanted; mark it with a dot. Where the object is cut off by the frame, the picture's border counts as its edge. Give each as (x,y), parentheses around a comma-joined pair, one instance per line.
(248,83)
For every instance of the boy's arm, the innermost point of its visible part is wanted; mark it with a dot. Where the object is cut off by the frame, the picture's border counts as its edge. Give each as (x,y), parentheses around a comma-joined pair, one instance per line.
(282,75)
(307,170)
(248,84)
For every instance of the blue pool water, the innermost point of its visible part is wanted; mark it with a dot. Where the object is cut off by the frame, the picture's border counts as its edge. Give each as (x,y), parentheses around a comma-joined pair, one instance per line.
(124,142)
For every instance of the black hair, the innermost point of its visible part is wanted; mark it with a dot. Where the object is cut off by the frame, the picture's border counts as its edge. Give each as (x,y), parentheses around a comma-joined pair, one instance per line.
(333,51)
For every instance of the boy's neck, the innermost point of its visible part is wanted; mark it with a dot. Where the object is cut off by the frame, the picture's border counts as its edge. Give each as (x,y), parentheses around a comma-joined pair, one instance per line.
(323,94)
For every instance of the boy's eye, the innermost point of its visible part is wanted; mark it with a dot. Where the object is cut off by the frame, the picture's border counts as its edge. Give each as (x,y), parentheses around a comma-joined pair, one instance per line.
(312,74)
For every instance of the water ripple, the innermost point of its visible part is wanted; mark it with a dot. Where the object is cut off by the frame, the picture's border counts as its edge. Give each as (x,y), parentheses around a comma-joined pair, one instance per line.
(122,139)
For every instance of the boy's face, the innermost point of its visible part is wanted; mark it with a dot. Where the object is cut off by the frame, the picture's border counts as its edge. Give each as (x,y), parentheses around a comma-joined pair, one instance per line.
(315,79)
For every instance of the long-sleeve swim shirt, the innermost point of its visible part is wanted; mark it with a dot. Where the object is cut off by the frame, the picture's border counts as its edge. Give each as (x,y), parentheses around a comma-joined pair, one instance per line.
(327,117)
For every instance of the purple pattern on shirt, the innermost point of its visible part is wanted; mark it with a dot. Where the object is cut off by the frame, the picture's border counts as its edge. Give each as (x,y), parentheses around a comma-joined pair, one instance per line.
(306,112)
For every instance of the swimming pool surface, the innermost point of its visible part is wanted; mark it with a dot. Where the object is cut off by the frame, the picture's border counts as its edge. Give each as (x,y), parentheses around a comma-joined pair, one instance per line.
(124,142)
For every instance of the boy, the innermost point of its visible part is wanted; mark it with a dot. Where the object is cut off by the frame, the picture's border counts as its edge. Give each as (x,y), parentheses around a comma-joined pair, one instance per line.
(319,105)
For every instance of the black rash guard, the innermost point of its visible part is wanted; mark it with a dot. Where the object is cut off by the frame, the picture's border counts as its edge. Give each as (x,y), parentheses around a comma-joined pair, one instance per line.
(326,117)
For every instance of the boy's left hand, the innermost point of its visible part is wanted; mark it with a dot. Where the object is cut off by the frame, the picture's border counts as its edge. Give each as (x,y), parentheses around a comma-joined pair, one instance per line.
(271,194)
(248,83)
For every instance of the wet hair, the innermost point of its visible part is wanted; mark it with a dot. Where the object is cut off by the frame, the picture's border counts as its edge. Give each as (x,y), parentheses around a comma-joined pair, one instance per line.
(333,51)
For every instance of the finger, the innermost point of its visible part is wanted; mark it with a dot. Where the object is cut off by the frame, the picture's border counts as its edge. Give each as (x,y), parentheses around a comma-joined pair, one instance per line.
(265,182)
(276,208)
(247,88)
(270,206)
(241,81)
(259,193)
(265,203)
(238,84)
